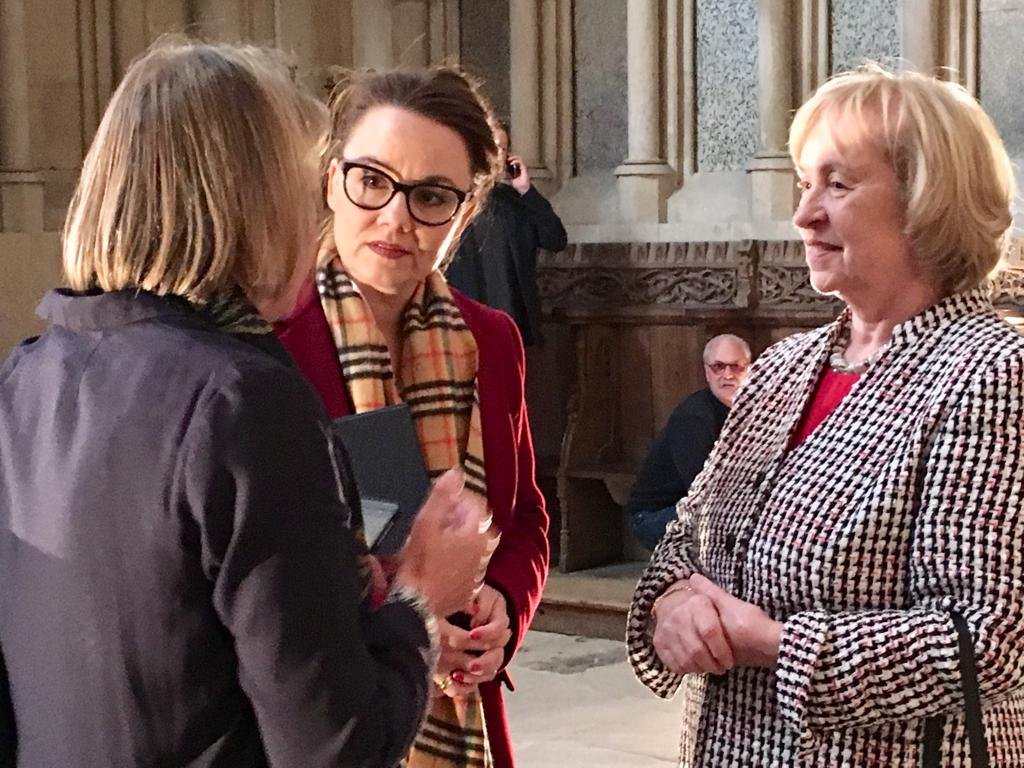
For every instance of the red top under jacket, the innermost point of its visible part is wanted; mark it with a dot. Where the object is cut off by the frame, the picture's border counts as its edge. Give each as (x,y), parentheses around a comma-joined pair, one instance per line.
(831,389)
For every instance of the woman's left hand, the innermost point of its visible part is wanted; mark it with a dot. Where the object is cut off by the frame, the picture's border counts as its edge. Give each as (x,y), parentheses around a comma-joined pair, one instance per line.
(489,633)
(752,633)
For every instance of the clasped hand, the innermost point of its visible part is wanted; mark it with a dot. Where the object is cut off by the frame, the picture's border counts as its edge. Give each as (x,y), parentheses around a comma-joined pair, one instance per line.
(703,628)
(474,656)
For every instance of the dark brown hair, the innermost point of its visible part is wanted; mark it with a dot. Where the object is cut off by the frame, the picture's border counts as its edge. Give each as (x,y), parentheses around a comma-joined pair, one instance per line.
(444,94)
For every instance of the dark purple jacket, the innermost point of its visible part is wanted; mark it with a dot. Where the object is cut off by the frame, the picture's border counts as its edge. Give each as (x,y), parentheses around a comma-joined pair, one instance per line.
(179,582)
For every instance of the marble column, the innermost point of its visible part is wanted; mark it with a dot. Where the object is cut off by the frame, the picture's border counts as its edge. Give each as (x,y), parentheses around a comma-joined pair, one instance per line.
(525,97)
(644,177)
(771,171)
(21,188)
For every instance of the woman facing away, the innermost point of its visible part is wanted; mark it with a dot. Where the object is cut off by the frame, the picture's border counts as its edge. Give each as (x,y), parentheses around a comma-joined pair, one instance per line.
(181,584)
(410,158)
(865,494)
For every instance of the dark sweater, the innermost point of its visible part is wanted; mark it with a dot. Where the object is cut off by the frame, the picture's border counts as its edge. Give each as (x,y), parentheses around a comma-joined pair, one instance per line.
(496,263)
(179,579)
(679,452)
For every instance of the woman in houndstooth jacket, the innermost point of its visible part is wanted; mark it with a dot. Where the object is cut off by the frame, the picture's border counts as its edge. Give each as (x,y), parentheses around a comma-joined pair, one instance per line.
(868,480)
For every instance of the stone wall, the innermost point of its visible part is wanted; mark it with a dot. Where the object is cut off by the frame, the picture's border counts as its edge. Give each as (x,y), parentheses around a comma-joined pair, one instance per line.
(699,160)
(1002,40)
(863,30)
(726,84)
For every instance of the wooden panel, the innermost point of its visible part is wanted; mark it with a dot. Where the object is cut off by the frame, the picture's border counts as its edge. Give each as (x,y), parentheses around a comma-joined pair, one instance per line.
(550,381)
(590,531)
(635,401)
(675,366)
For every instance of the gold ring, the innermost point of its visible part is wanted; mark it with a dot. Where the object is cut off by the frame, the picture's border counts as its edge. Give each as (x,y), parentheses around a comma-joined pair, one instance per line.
(445,682)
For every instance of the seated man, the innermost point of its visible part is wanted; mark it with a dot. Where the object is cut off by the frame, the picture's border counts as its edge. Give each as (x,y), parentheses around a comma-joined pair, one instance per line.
(681,448)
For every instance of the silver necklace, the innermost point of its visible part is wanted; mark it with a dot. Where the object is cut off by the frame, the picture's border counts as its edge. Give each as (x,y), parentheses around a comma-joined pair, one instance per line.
(838,363)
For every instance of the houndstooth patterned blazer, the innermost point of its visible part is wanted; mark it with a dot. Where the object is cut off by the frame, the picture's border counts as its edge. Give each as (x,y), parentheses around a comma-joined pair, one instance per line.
(825,539)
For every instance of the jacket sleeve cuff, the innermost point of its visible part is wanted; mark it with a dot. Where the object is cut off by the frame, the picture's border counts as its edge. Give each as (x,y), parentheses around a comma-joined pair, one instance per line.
(513,621)
(804,639)
(410,598)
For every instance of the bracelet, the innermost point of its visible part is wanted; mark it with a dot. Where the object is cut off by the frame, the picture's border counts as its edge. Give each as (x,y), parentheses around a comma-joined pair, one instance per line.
(679,586)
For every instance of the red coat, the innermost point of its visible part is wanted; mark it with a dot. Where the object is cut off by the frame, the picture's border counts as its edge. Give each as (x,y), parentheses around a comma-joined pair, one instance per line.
(519,566)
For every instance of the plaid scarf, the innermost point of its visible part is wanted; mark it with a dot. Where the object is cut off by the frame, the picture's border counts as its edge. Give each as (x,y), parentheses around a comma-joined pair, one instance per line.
(437,380)
(232,312)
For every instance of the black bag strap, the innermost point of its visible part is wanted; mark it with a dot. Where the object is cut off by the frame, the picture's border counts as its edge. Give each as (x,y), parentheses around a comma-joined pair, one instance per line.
(8,732)
(933,726)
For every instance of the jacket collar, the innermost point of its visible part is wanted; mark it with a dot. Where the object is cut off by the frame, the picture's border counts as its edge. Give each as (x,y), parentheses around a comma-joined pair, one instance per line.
(971,302)
(97,310)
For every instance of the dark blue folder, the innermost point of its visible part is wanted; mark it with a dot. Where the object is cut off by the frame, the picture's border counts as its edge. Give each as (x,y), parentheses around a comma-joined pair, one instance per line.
(389,472)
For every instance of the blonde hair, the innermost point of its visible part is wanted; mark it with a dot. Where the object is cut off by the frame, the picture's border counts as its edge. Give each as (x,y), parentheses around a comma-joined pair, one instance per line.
(956,179)
(202,175)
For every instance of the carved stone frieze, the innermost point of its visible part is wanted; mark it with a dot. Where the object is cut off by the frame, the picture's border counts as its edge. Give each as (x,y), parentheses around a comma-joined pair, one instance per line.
(709,275)
(596,287)
(1008,289)
(618,275)
(783,284)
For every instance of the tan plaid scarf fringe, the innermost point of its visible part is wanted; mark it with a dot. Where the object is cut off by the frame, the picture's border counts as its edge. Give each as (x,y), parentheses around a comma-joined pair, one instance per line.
(438,383)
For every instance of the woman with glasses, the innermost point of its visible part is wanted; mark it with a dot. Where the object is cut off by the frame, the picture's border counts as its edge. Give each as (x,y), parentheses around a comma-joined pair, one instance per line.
(411,157)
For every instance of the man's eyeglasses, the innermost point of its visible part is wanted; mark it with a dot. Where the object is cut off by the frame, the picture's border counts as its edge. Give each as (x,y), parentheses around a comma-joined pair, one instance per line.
(371,189)
(733,368)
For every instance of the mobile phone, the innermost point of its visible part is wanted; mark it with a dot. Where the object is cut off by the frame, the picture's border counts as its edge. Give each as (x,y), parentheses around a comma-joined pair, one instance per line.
(462,620)
(513,169)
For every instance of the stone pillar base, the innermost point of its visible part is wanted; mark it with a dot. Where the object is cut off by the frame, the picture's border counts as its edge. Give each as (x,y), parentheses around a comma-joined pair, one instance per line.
(772,186)
(21,202)
(644,188)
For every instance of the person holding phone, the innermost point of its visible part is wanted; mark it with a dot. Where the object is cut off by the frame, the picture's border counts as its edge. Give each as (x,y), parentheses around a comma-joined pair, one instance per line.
(181,584)
(496,261)
(410,159)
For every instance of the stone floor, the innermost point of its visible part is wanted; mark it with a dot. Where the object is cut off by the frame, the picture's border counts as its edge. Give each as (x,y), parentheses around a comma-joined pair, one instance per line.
(577,705)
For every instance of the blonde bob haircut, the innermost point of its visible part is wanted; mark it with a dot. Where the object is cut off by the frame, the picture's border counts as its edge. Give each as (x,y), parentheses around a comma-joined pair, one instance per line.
(955,176)
(202,177)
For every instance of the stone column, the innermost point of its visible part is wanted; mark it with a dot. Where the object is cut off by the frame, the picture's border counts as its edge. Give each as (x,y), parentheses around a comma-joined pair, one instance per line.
(372,34)
(644,176)
(771,171)
(411,32)
(21,189)
(920,35)
(525,53)
(961,42)
(814,46)
(445,32)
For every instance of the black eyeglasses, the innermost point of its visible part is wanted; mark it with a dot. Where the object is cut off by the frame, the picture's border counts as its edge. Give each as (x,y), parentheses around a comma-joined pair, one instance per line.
(429,204)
